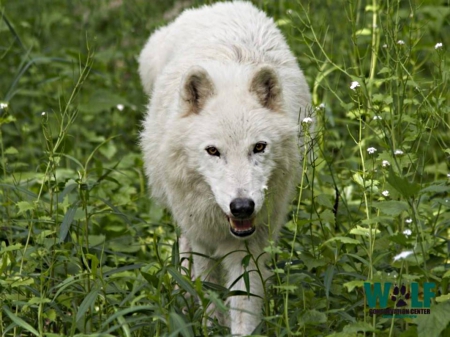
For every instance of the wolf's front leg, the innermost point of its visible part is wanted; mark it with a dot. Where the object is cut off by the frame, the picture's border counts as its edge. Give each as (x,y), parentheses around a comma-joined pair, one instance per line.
(208,270)
(245,311)
(185,253)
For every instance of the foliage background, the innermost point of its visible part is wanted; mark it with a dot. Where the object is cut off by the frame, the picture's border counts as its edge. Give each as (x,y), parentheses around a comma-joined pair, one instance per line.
(85,252)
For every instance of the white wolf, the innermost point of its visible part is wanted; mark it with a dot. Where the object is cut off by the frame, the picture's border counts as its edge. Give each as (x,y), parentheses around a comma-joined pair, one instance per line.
(220,138)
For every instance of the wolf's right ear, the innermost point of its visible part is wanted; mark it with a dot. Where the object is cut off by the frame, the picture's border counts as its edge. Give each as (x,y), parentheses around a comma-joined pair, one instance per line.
(266,86)
(197,87)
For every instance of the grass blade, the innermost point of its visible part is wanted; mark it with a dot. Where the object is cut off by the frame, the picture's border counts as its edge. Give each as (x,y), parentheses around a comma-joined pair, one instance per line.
(182,281)
(67,221)
(20,322)
(88,301)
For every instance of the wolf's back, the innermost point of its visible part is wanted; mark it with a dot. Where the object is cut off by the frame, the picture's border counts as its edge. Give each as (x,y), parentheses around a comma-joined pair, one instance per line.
(231,30)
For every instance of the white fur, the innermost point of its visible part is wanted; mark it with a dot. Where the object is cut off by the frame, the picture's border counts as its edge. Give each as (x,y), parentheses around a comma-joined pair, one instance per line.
(230,41)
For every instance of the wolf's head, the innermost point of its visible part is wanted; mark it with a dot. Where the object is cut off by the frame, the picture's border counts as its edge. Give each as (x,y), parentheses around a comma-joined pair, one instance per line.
(239,137)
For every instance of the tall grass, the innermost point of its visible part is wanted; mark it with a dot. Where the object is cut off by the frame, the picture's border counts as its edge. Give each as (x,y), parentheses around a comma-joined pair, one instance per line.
(85,253)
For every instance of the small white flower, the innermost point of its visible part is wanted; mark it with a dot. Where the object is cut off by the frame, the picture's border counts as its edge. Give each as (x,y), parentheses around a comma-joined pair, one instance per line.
(385,193)
(409,220)
(438,45)
(289,11)
(400,42)
(43,113)
(320,106)
(377,117)
(354,85)
(307,120)
(3,105)
(385,163)
(407,232)
(403,255)
(288,263)
(398,152)
(371,150)
(264,188)
(385,45)
(448,175)
(120,107)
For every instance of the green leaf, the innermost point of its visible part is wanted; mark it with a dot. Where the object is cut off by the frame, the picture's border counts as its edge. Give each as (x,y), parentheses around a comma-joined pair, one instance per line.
(391,207)
(377,219)
(402,185)
(20,322)
(364,31)
(313,317)
(25,206)
(246,260)
(13,247)
(447,274)
(182,281)
(435,189)
(88,301)
(343,239)
(311,262)
(127,311)
(323,199)
(433,324)
(39,300)
(353,284)
(18,281)
(384,70)
(11,150)
(151,278)
(364,231)
(96,240)
(246,278)
(108,150)
(443,298)
(179,326)
(342,334)
(287,287)
(67,221)
(399,238)
(328,279)
(283,22)
(219,304)
(358,179)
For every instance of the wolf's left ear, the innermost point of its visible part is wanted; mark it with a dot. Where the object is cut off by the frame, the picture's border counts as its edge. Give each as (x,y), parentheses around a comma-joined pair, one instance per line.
(266,86)
(197,87)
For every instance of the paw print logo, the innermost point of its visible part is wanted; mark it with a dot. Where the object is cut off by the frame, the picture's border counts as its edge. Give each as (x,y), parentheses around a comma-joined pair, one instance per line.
(399,295)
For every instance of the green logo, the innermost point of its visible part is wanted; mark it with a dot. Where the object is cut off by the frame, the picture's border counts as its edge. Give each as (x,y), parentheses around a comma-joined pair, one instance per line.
(380,293)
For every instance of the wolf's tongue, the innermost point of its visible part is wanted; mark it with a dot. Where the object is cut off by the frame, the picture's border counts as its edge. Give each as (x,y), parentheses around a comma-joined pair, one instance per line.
(241,228)
(242,224)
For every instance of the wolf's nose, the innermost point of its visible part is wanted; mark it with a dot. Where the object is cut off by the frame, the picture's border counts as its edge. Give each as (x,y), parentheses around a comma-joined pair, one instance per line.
(242,208)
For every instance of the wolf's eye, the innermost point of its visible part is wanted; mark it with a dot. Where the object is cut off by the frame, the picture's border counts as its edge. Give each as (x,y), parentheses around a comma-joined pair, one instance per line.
(212,151)
(259,147)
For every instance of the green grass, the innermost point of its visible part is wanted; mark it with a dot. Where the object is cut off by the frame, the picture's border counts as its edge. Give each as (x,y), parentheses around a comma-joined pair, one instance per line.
(84,252)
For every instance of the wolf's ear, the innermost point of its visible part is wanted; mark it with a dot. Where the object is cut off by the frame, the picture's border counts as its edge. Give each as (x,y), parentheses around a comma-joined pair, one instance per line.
(197,87)
(266,86)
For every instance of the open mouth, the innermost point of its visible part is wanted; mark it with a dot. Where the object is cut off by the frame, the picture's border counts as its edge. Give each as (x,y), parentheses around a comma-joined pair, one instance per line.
(241,227)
